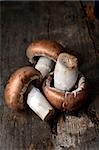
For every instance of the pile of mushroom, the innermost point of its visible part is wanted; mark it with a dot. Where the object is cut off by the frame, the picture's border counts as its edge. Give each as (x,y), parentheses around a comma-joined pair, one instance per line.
(53,82)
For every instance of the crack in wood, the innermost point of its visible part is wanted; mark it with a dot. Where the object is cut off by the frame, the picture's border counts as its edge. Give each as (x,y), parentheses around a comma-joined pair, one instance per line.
(90,26)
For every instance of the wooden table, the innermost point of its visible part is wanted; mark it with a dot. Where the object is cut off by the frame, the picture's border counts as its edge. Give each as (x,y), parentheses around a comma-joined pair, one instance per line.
(67,23)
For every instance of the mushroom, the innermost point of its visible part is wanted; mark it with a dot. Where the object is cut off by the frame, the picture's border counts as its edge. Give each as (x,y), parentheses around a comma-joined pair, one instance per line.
(19,91)
(65,100)
(46,52)
(39,104)
(66,72)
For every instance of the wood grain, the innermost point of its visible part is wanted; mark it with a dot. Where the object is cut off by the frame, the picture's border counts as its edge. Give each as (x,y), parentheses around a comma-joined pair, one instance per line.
(66,23)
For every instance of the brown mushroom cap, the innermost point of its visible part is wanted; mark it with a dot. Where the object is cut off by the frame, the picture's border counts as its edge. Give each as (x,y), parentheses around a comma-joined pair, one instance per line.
(65,100)
(17,86)
(50,49)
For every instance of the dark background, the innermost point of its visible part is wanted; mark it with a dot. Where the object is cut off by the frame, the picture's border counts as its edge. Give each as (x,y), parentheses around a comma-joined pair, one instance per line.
(78,31)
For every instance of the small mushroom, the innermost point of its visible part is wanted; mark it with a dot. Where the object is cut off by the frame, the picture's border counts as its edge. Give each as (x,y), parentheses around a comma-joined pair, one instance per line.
(66,72)
(43,53)
(65,100)
(17,86)
(17,92)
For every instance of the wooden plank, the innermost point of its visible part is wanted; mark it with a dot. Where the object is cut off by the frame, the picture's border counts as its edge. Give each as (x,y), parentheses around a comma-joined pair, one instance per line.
(92,23)
(63,22)
(18,30)
(75,37)
(93,27)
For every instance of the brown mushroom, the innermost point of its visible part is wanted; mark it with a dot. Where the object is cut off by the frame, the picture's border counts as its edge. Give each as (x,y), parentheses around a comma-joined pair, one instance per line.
(47,52)
(17,86)
(65,100)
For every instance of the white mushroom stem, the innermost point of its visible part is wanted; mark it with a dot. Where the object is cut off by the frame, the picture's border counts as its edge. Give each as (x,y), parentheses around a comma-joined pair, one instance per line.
(66,72)
(39,104)
(44,65)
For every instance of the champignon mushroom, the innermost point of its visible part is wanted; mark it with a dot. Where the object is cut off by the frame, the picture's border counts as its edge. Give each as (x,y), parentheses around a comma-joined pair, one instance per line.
(39,104)
(65,100)
(47,52)
(17,87)
(66,72)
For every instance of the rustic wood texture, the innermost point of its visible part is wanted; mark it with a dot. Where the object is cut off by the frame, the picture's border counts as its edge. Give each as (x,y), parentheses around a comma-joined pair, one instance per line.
(65,22)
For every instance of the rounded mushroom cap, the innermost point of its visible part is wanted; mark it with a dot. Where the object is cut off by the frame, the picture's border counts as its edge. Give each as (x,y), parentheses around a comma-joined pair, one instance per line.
(50,49)
(17,86)
(65,100)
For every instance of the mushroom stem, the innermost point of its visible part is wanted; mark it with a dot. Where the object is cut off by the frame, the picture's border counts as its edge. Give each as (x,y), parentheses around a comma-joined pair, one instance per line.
(44,65)
(66,72)
(39,104)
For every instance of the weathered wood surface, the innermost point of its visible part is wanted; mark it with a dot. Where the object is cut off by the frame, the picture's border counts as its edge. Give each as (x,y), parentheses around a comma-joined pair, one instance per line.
(66,23)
